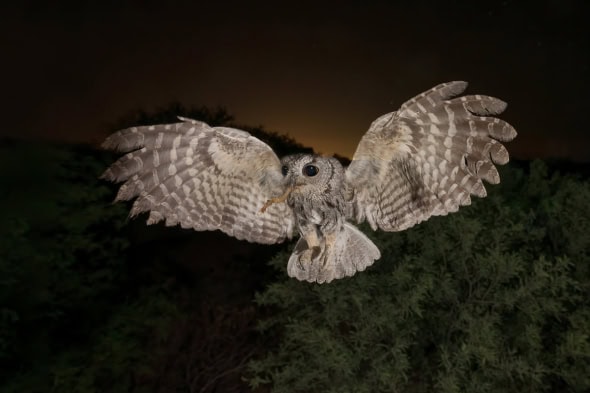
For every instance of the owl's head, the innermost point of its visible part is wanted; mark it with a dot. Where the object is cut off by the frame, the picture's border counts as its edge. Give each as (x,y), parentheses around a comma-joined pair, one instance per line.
(307,171)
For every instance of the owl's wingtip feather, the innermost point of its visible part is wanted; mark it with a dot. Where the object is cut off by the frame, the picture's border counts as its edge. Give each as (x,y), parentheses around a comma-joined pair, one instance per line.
(457,87)
(460,83)
(109,143)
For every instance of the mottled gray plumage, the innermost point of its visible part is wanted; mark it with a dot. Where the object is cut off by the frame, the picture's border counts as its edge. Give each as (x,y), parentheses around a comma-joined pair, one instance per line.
(425,159)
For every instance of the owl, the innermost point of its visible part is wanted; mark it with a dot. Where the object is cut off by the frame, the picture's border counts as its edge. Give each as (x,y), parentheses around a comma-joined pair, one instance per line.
(425,159)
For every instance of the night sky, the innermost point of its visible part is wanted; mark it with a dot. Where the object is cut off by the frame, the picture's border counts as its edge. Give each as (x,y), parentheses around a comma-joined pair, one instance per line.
(320,73)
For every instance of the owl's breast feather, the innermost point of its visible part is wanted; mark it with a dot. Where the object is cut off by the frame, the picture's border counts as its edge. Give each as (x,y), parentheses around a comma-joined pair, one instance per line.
(316,217)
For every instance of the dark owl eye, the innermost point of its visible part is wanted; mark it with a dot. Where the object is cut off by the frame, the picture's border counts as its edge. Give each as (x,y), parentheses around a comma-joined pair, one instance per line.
(310,170)
(285,170)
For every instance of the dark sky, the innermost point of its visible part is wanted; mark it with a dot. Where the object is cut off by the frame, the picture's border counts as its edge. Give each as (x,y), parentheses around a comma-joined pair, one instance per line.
(318,72)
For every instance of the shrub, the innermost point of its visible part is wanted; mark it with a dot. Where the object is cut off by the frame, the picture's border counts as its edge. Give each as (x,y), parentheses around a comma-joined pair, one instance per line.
(491,299)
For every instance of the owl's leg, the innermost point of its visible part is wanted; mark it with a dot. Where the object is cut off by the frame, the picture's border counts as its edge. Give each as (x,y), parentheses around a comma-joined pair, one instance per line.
(330,239)
(330,230)
(313,259)
(311,237)
(314,245)
(320,238)
(304,263)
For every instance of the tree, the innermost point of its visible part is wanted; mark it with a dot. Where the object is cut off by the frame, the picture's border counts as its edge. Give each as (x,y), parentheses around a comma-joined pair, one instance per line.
(91,301)
(491,299)
(62,249)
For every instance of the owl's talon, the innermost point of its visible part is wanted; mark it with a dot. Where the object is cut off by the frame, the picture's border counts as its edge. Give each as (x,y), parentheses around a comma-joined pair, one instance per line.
(315,252)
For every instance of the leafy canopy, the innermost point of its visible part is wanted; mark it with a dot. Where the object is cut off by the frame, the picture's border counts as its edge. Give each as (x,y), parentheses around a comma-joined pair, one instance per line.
(491,299)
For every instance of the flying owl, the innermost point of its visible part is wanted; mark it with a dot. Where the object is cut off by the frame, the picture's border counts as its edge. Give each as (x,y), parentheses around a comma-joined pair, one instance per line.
(425,159)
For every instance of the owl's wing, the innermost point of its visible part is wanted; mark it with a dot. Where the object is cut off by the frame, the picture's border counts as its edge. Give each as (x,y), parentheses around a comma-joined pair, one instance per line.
(427,158)
(203,178)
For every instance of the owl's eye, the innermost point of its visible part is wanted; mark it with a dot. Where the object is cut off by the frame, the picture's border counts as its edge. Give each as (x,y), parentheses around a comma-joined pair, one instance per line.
(285,170)
(310,170)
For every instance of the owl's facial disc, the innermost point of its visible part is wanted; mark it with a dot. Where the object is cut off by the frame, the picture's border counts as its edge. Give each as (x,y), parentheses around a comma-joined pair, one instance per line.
(302,170)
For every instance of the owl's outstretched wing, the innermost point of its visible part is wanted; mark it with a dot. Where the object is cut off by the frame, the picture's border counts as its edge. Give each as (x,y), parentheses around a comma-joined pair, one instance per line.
(427,158)
(203,178)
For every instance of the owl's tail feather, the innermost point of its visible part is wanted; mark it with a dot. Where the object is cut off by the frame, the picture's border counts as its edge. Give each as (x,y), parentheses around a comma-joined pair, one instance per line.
(340,254)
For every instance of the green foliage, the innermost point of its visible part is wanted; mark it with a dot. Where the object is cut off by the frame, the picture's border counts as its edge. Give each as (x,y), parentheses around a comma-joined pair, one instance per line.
(53,260)
(82,307)
(73,316)
(491,299)
(117,355)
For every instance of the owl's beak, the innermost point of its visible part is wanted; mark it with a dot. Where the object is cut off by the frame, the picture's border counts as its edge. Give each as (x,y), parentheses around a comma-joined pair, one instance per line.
(296,181)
